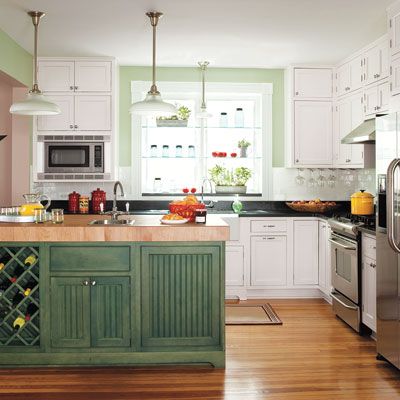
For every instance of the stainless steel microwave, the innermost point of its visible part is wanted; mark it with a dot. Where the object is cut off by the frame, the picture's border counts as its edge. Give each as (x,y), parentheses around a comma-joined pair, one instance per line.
(70,157)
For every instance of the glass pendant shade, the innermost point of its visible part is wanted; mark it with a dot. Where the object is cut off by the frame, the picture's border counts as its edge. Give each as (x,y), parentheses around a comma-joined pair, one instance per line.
(153,105)
(35,104)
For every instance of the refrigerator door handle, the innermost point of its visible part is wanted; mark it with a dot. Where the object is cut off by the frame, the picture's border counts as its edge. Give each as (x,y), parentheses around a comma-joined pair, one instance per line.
(390,204)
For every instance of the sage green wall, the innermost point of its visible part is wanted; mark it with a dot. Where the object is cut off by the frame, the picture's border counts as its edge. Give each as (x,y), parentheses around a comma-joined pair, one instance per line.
(14,60)
(274,76)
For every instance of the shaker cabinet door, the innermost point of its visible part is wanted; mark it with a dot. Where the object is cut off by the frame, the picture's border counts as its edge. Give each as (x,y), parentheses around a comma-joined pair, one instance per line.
(56,76)
(110,311)
(268,261)
(312,83)
(61,122)
(70,312)
(313,133)
(93,113)
(92,76)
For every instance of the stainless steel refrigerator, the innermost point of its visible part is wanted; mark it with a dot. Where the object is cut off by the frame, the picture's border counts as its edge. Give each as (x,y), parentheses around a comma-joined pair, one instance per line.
(388,237)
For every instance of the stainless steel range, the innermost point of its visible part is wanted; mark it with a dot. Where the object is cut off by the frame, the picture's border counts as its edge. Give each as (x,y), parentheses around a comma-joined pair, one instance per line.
(345,242)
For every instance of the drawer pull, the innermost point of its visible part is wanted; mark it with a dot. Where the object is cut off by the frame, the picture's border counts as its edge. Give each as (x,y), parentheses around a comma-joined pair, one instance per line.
(372,265)
(85,283)
(93,283)
(268,226)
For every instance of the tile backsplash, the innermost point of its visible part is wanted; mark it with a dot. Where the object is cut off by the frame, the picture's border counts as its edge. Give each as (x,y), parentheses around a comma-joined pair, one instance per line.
(285,184)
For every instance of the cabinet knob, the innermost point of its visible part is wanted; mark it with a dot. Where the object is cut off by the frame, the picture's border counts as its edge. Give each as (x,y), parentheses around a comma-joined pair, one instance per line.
(372,265)
(76,126)
(85,283)
(71,88)
(378,107)
(378,75)
(297,93)
(348,160)
(76,87)
(71,126)
(297,160)
(93,283)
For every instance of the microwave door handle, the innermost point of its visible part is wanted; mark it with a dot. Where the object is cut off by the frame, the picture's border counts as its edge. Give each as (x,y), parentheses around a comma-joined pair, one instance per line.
(336,243)
(390,204)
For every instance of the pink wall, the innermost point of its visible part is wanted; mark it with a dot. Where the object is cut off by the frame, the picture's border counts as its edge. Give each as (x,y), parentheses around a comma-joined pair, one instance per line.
(5,144)
(21,150)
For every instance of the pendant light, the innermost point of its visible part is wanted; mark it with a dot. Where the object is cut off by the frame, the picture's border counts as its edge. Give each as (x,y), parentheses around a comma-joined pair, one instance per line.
(203,114)
(153,104)
(35,102)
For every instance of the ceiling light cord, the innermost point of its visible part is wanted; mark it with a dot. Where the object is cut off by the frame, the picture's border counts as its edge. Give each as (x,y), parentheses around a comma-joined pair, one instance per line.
(36,15)
(154,17)
(203,66)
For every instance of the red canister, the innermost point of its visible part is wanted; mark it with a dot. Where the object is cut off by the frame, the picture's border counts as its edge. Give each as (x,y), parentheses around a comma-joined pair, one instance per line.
(73,202)
(98,197)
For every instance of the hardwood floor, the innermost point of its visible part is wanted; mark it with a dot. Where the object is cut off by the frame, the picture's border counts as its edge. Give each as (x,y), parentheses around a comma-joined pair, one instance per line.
(311,356)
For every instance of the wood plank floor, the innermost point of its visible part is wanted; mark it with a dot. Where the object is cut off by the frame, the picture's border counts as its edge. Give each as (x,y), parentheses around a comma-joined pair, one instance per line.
(311,356)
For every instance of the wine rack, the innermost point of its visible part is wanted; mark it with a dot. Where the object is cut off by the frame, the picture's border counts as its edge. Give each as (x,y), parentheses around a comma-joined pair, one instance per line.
(15,277)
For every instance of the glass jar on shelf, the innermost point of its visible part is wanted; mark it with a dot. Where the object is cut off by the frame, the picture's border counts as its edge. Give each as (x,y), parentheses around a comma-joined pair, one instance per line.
(153,150)
(157,185)
(178,151)
(239,118)
(165,150)
(191,151)
(223,120)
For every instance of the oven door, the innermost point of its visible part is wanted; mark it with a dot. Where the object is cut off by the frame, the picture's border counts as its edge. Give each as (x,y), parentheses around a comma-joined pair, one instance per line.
(344,255)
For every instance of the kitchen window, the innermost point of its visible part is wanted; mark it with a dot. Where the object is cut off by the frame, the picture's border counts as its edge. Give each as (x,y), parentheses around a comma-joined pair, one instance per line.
(166,159)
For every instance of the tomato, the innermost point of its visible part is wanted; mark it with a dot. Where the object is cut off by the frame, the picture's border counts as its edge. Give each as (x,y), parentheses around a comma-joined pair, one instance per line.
(185,190)
(193,190)
(224,154)
(215,153)
(233,155)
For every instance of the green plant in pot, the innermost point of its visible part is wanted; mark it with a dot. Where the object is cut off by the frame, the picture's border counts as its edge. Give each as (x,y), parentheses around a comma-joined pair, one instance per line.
(230,181)
(243,146)
(180,119)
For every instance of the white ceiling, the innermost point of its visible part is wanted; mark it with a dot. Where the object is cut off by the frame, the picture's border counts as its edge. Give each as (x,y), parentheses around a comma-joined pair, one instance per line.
(229,33)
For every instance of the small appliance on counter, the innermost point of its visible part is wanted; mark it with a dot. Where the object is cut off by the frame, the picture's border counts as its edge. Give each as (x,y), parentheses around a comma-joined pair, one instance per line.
(362,203)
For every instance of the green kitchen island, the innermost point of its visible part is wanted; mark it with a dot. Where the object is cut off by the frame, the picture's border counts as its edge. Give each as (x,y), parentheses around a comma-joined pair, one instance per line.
(112,295)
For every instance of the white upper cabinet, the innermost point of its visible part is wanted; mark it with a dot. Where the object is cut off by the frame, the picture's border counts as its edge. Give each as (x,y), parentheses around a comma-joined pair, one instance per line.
(62,122)
(394,30)
(376,63)
(305,255)
(56,76)
(268,261)
(313,133)
(92,76)
(395,75)
(313,83)
(349,114)
(349,76)
(376,99)
(93,113)
(75,76)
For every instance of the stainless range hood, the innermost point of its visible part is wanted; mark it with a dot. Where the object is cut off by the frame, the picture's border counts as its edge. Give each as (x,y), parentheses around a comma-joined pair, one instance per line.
(363,134)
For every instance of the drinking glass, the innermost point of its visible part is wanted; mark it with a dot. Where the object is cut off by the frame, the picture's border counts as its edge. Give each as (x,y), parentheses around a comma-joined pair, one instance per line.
(57,215)
(299,178)
(321,178)
(312,182)
(40,215)
(331,181)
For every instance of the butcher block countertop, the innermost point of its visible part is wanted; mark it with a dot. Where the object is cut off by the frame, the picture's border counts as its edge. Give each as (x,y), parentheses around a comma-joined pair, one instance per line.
(147,228)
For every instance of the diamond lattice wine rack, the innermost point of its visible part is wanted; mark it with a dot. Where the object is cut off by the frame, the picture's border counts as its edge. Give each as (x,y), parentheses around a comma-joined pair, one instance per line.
(19,296)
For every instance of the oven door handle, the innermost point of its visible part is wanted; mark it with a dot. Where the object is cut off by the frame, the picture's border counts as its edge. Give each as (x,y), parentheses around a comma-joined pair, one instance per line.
(342,302)
(342,245)
(390,204)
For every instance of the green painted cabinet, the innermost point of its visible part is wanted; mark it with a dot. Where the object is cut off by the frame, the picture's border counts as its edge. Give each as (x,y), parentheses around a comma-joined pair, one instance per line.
(181,297)
(90,312)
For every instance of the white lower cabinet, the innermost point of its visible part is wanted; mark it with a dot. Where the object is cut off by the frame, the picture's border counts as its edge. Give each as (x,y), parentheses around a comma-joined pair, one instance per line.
(234,265)
(305,253)
(268,260)
(368,281)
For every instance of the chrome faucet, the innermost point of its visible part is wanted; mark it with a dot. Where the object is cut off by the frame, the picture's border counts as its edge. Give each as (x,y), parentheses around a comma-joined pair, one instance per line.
(210,203)
(114,212)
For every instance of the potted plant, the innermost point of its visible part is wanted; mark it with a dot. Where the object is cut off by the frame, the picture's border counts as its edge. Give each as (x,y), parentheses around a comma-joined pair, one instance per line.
(178,120)
(230,181)
(243,145)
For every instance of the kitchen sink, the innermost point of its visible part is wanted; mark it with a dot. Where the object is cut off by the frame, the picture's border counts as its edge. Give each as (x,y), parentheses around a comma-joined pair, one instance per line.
(119,222)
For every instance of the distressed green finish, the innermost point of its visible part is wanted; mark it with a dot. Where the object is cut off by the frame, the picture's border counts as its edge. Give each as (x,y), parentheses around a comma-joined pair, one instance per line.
(110,314)
(89,258)
(70,312)
(180,296)
(163,304)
